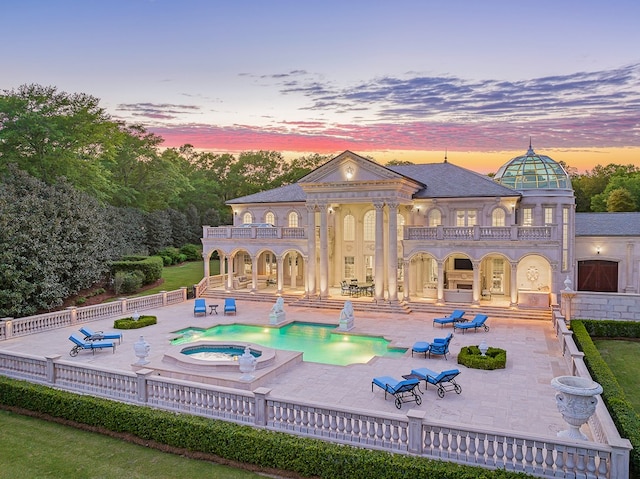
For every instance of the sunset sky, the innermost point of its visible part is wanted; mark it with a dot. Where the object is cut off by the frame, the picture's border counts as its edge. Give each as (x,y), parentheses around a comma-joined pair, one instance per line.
(404,80)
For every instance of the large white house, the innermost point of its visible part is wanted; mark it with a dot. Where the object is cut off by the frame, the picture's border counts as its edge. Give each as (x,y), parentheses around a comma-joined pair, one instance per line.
(435,232)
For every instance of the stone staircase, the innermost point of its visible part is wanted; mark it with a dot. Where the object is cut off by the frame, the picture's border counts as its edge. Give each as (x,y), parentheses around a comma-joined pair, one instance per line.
(371,305)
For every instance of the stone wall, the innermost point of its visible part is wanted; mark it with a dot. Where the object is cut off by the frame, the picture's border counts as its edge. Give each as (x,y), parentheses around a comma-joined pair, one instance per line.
(586,305)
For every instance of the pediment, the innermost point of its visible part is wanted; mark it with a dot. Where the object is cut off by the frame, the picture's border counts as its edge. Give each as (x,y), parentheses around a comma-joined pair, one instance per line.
(351,168)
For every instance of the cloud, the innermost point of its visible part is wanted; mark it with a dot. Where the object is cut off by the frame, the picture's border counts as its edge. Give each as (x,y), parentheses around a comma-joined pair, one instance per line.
(157,111)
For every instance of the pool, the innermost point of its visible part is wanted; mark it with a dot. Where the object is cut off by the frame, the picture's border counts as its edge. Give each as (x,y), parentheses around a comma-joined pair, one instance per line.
(319,343)
(216,353)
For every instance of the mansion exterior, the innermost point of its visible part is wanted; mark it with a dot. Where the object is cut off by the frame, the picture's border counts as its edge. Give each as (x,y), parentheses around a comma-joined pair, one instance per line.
(435,232)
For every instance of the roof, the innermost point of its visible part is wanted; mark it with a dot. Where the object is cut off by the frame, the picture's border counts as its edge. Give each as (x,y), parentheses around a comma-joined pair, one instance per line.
(442,180)
(533,171)
(608,224)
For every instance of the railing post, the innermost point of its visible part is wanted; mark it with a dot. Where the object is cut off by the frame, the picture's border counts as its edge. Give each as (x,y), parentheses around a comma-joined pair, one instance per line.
(123,304)
(415,417)
(73,315)
(142,375)
(51,368)
(261,405)
(164,297)
(619,462)
(8,328)
(184,292)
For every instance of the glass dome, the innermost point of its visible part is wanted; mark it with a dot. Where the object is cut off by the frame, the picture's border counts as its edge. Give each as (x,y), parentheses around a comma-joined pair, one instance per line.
(533,171)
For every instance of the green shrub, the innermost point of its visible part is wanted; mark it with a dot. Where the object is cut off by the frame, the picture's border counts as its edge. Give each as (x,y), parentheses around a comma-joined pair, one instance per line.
(128,281)
(170,252)
(150,266)
(268,449)
(166,260)
(80,300)
(622,412)
(130,323)
(471,357)
(191,252)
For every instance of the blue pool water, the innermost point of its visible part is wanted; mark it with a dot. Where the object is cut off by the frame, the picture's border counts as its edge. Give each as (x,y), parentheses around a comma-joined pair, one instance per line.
(318,342)
(217,353)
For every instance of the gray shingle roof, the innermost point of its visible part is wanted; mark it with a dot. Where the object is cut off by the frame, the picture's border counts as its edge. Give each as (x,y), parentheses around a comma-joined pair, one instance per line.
(607,224)
(443,180)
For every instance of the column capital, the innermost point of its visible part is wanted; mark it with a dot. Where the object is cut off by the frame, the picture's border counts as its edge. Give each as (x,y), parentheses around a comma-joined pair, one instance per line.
(378,205)
(393,204)
(311,207)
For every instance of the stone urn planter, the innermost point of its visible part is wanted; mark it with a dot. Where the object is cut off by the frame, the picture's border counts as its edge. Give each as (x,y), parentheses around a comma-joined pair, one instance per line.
(247,363)
(576,400)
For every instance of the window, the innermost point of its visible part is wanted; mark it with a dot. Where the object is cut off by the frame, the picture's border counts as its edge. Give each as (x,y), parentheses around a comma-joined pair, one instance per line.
(565,239)
(497,217)
(247,218)
(370,226)
(465,218)
(527,217)
(435,218)
(270,218)
(349,267)
(400,227)
(349,228)
(548,215)
(293,219)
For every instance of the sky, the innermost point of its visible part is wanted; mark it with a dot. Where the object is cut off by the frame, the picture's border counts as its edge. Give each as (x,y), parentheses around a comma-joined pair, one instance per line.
(470,80)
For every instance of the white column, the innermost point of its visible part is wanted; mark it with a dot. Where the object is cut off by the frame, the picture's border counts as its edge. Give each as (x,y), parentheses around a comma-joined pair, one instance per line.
(311,246)
(406,266)
(379,252)
(440,299)
(294,270)
(476,282)
(629,288)
(513,284)
(254,273)
(230,271)
(324,252)
(279,261)
(392,263)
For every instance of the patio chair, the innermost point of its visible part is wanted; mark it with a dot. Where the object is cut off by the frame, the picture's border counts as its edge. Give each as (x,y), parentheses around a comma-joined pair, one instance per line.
(344,289)
(444,381)
(455,316)
(80,344)
(91,335)
(230,305)
(440,346)
(404,391)
(475,323)
(199,307)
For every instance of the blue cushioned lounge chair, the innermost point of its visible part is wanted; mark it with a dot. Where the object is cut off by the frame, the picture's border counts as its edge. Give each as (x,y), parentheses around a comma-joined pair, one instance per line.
(454,317)
(199,307)
(440,346)
(403,391)
(444,381)
(91,335)
(475,323)
(229,305)
(80,344)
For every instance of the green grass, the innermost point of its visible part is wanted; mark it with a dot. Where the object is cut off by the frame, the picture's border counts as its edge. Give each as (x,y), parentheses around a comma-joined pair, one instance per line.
(185,274)
(622,357)
(33,448)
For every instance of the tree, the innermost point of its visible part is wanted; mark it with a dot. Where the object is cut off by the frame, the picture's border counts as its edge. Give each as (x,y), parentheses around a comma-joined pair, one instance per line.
(52,134)
(399,163)
(589,186)
(620,199)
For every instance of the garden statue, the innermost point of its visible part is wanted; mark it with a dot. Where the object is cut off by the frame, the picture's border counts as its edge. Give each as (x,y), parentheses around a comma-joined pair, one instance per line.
(346,317)
(277,314)
(141,348)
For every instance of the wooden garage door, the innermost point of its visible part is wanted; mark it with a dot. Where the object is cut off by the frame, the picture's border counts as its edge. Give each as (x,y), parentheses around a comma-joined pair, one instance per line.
(599,276)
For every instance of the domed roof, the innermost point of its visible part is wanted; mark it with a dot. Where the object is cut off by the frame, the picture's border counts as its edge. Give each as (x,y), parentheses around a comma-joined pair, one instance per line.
(532,171)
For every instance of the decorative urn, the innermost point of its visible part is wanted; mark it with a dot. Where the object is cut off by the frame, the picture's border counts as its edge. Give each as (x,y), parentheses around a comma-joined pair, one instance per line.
(576,400)
(247,363)
(141,348)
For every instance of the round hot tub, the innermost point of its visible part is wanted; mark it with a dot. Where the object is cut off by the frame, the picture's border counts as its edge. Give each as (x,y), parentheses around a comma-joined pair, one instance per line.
(220,356)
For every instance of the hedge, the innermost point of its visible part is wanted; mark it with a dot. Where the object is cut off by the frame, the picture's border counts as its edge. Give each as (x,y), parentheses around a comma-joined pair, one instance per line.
(130,323)
(150,266)
(245,444)
(471,357)
(625,417)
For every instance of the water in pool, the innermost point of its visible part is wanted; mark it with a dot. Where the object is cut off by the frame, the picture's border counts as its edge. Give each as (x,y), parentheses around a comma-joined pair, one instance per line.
(318,342)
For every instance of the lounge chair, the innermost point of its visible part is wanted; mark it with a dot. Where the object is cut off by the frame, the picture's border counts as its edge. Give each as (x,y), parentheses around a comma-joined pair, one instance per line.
(403,391)
(80,344)
(199,307)
(91,335)
(230,306)
(454,317)
(444,381)
(475,323)
(440,346)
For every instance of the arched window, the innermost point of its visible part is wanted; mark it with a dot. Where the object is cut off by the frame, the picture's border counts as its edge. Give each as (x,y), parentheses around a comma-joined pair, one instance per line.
(270,218)
(435,218)
(246,218)
(293,219)
(349,228)
(497,217)
(401,224)
(370,226)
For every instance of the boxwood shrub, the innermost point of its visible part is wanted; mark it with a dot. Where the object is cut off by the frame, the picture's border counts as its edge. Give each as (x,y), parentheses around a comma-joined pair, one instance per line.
(471,357)
(625,417)
(241,443)
(130,323)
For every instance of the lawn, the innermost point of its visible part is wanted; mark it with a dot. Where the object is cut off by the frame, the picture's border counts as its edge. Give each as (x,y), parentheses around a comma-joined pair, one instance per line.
(622,357)
(185,274)
(36,448)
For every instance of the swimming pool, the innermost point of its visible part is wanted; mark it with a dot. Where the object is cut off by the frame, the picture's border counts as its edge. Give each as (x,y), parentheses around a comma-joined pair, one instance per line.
(319,343)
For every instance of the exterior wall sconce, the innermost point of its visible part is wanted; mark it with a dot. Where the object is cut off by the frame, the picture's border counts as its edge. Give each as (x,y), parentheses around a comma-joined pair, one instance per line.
(349,173)
(597,249)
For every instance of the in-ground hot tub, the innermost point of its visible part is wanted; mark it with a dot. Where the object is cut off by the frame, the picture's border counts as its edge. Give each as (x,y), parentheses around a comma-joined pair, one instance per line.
(216,355)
